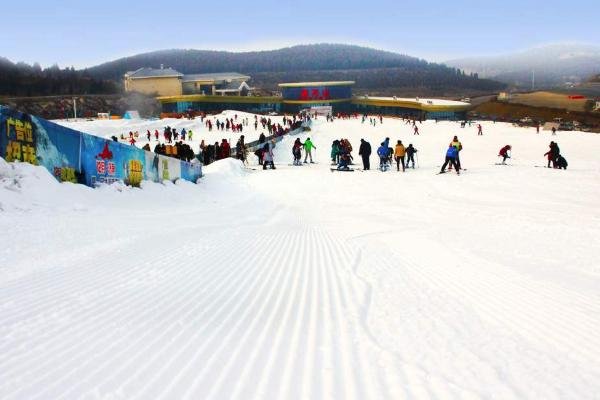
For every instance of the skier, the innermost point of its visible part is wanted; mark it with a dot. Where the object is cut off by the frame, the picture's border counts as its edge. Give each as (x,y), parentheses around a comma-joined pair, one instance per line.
(268,154)
(365,152)
(190,135)
(308,146)
(345,156)
(183,133)
(416,131)
(410,155)
(451,156)
(297,151)
(335,152)
(553,154)
(458,145)
(479,130)
(148,134)
(399,153)
(382,152)
(504,153)
(156,134)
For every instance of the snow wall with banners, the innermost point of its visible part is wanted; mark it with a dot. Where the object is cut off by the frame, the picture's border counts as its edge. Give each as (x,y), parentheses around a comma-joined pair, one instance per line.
(73,156)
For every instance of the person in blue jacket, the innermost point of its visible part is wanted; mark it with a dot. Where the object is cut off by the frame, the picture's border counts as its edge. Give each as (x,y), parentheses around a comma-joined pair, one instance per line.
(451,155)
(382,152)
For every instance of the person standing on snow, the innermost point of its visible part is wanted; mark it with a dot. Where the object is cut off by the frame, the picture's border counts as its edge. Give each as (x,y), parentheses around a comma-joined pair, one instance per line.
(308,146)
(399,153)
(268,154)
(451,155)
(365,152)
(410,155)
(297,151)
(458,145)
(382,152)
(504,153)
(479,130)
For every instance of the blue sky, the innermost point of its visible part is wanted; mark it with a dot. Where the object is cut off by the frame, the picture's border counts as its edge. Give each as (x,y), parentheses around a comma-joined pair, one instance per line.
(85,33)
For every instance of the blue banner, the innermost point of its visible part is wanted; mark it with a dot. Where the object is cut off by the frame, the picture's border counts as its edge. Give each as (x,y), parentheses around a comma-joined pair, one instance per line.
(73,156)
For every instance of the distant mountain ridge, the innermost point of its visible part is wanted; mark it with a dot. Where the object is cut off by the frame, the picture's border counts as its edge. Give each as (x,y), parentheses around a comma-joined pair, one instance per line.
(552,65)
(371,69)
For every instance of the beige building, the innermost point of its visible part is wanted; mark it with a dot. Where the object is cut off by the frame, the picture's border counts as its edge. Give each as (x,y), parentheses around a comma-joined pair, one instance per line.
(169,82)
(159,82)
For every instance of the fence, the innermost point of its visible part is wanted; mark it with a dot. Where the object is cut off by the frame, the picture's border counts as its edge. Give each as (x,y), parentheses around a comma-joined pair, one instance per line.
(73,156)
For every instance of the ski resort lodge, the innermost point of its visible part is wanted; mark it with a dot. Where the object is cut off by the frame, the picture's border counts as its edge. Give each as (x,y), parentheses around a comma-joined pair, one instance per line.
(179,94)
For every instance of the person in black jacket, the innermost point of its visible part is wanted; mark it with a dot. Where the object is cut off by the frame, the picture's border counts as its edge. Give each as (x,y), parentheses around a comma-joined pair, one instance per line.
(410,155)
(365,152)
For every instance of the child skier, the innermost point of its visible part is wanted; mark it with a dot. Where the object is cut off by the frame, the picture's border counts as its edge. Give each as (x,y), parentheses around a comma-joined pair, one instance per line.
(410,155)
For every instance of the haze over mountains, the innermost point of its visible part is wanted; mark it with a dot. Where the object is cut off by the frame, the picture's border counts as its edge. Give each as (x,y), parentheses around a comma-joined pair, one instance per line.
(554,65)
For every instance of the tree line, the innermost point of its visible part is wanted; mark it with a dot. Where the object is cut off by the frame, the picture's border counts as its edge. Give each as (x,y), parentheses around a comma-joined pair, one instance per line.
(21,79)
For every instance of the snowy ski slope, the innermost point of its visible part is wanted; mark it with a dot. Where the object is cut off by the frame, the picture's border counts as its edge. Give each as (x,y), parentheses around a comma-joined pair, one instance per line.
(300,283)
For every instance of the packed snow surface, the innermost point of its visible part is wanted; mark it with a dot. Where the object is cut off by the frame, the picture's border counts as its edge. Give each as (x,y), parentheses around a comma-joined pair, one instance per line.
(301,283)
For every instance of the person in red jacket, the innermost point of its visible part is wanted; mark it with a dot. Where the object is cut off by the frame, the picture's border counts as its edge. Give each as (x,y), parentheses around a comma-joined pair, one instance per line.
(504,153)
(225,149)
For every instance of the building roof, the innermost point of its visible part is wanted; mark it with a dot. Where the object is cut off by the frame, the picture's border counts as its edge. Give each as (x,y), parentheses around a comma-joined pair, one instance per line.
(153,73)
(215,77)
(432,102)
(309,84)
(234,86)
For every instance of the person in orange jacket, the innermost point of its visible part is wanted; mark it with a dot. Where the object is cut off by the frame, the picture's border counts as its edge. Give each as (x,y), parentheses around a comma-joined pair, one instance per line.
(399,153)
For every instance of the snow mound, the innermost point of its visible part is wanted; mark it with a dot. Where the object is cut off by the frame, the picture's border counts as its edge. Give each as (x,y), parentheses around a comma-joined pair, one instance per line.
(225,169)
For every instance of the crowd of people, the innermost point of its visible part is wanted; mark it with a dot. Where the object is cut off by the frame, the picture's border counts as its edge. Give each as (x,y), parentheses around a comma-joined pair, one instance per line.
(341,150)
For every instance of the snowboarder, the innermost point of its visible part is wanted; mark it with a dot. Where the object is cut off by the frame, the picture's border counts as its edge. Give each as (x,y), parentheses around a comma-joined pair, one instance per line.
(399,153)
(410,155)
(365,152)
(308,146)
(504,153)
(451,156)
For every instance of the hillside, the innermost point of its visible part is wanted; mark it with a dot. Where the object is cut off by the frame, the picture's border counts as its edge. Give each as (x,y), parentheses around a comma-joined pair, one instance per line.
(553,65)
(372,69)
(21,79)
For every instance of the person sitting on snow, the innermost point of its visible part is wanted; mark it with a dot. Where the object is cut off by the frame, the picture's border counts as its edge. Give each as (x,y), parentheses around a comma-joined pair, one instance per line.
(561,163)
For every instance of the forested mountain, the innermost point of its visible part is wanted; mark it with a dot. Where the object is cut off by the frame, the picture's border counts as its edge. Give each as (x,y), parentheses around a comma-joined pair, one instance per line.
(371,69)
(375,71)
(31,80)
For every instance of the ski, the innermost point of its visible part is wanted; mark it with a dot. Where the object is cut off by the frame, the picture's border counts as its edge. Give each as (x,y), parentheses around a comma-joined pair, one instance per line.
(341,170)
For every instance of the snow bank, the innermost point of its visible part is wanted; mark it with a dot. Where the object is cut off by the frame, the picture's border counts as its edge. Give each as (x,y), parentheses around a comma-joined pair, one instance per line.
(225,169)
